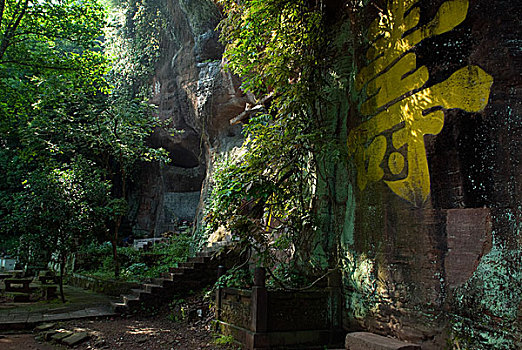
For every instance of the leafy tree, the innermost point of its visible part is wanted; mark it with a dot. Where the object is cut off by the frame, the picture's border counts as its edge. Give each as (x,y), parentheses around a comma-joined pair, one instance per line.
(60,109)
(120,145)
(57,208)
(50,65)
(46,34)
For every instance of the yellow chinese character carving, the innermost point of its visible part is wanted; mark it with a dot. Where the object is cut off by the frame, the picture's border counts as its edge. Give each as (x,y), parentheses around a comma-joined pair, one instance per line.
(400,108)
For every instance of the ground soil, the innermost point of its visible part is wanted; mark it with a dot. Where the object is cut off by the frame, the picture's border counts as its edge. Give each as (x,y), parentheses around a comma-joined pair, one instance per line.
(145,333)
(129,334)
(167,328)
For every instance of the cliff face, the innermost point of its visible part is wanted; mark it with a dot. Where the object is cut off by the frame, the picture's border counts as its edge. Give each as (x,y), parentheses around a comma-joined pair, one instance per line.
(197,98)
(430,201)
(427,212)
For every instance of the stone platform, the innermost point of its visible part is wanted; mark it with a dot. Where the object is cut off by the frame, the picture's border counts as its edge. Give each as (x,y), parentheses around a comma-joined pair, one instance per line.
(371,341)
(79,304)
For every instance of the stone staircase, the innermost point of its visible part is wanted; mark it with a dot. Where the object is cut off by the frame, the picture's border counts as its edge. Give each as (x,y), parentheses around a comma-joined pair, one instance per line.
(196,273)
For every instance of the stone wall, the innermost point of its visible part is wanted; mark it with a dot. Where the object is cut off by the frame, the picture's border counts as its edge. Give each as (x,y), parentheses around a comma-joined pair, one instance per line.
(260,318)
(177,206)
(99,285)
(430,201)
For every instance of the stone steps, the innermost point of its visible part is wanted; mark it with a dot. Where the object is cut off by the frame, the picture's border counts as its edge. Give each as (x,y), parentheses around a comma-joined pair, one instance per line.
(153,288)
(199,259)
(180,270)
(70,338)
(168,276)
(190,275)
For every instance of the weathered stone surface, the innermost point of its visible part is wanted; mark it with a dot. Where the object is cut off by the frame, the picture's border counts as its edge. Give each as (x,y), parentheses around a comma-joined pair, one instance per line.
(20,297)
(196,97)
(61,334)
(469,238)
(429,223)
(371,341)
(75,339)
(44,327)
(47,335)
(431,234)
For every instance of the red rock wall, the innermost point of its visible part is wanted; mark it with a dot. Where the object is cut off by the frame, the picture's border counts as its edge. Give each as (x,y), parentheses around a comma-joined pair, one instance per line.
(432,240)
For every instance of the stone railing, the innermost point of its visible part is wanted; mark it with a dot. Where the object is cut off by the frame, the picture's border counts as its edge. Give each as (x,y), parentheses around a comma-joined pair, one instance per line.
(263,319)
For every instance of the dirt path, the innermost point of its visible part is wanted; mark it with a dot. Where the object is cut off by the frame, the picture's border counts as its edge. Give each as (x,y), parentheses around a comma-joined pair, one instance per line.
(164,330)
(150,334)
(128,334)
(22,342)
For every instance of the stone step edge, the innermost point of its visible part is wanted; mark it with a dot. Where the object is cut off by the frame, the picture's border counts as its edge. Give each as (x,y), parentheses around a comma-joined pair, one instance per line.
(372,341)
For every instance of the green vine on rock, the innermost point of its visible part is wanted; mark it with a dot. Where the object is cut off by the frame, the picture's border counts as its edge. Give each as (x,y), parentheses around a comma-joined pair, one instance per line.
(274,45)
(133,40)
(266,196)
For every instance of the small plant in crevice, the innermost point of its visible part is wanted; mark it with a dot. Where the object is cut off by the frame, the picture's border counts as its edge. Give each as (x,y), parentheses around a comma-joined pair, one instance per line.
(221,339)
(177,310)
(239,278)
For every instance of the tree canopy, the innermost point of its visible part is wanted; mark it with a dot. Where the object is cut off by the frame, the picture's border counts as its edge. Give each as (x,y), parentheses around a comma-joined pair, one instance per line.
(71,134)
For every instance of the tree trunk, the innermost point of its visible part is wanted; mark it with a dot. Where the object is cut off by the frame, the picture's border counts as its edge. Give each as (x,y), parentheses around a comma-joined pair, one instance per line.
(60,280)
(114,242)
(11,28)
(117,224)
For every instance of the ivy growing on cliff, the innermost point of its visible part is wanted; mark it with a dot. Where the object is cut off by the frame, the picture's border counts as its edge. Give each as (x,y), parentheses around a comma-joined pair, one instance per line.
(266,197)
(274,46)
(134,36)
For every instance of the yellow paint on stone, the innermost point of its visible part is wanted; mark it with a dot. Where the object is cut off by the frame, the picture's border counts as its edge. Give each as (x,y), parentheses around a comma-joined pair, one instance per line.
(399,105)
(396,163)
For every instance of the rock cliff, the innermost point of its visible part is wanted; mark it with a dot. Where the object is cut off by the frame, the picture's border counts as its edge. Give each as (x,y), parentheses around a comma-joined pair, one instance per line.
(197,98)
(430,200)
(427,211)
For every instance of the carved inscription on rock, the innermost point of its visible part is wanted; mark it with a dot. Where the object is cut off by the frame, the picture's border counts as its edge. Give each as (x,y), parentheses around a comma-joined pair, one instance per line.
(400,108)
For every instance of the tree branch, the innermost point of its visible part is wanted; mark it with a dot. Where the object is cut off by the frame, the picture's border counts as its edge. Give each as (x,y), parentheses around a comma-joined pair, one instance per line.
(11,29)
(2,7)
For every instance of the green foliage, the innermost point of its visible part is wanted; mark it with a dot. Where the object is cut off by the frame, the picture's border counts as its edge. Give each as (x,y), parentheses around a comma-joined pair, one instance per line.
(8,245)
(292,278)
(96,259)
(133,42)
(71,132)
(273,45)
(56,209)
(170,253)
(50,63)
(237,278)
(224,340)
(266,197)
(91,255)
(136,269)
(61,31)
